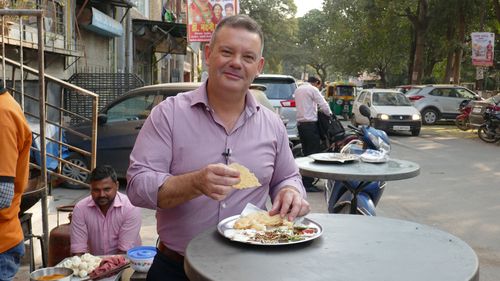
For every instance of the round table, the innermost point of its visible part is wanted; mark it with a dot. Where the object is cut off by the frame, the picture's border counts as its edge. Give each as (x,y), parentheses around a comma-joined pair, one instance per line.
(351,248)
(357,175)
(394,169)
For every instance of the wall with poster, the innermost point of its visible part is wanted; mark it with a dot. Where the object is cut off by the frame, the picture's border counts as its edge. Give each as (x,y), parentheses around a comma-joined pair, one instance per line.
(203,16)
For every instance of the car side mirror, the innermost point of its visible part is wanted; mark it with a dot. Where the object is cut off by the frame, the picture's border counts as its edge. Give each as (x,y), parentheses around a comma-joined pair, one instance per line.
(102,119)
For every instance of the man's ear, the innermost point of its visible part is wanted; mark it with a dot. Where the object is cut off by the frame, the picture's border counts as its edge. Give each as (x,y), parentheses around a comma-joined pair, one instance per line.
(261,65)
(207,52)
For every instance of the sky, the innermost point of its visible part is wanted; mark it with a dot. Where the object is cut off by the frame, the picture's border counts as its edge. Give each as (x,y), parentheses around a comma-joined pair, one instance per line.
(304,6)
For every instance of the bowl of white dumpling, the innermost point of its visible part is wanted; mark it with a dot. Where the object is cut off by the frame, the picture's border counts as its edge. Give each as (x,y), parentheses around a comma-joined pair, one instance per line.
(141,258)
(81,265)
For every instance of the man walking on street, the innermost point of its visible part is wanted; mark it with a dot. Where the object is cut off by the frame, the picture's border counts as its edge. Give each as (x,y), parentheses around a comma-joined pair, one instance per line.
(307,100)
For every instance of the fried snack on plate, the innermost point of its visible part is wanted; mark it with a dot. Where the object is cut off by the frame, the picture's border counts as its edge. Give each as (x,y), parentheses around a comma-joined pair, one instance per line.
(260,221)
(247,178)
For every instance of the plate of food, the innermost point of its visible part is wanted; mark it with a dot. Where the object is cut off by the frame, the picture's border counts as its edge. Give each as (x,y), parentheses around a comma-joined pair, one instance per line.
(259,228)
(334,157)
(89,267)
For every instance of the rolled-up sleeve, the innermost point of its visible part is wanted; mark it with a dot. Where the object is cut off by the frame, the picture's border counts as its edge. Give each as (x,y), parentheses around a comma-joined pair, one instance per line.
(129,232)
(79,233)
(150,159)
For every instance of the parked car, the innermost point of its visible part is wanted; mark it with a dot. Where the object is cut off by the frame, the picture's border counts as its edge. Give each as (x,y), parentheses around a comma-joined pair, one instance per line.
(478,107)
(391,111)
(119,123)
(280,90)
(437,102)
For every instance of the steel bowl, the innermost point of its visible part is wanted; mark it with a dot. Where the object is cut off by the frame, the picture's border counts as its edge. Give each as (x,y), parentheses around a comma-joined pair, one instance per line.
(37,274)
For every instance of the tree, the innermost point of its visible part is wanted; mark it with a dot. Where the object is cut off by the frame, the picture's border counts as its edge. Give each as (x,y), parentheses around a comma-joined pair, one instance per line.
(277,18)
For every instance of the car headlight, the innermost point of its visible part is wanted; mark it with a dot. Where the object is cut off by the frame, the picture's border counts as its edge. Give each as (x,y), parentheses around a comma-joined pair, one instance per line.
(415,117)
(383,117)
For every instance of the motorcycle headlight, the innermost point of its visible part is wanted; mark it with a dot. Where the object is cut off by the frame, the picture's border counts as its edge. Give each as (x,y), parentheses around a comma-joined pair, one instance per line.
(415,117)
(351,102)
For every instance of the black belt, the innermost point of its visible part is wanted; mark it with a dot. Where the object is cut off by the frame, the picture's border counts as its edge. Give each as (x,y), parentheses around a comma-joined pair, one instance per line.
(171,254)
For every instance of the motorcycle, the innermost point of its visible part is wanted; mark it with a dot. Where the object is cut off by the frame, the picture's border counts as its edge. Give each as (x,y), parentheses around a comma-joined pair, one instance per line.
(462,120)
(356,197)
(490,131)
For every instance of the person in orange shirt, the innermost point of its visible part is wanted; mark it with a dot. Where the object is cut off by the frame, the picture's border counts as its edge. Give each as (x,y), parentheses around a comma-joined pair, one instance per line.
(15,142)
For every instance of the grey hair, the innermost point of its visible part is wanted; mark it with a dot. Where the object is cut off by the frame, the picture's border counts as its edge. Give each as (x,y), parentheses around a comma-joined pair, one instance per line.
(239,21)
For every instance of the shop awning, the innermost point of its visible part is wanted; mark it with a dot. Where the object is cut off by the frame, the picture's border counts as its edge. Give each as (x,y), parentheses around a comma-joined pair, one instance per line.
(163,37)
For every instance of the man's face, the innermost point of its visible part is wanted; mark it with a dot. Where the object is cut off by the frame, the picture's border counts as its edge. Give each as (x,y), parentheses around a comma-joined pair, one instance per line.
(318,85)
(229,11)
(103,191)
(234,59)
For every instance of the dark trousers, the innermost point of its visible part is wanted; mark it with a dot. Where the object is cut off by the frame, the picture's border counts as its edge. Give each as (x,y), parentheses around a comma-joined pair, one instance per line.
(311,143)
(166,269)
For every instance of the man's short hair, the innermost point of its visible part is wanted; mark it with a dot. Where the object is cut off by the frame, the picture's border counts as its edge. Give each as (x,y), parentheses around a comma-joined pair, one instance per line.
(228,5)
(102,172)
(313,80)
(239,21)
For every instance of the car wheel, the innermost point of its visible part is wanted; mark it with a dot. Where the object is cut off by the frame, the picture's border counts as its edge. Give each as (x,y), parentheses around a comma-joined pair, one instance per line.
(415,132)
(353,120)
(430,116)
(74,172)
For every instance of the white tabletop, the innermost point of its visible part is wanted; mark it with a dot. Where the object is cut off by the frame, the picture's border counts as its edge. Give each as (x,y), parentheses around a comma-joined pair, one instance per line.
(394,169)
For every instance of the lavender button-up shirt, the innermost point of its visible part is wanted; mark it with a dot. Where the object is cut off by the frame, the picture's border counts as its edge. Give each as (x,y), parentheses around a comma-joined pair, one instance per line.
(182,135)
(94,233)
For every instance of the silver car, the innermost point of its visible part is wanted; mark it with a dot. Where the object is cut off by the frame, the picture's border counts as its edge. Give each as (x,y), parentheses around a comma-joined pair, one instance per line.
(436,102)
(280,90)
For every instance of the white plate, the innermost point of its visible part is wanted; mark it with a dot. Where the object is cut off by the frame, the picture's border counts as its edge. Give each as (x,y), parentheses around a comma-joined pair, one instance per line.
(225,228)
(334,157)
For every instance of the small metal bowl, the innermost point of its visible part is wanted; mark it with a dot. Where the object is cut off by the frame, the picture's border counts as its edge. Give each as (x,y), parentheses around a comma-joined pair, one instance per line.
(67,272)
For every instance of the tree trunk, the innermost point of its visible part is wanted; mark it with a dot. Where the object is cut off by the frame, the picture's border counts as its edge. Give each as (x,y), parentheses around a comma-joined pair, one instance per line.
(459,50)
(420,24)
(449,58)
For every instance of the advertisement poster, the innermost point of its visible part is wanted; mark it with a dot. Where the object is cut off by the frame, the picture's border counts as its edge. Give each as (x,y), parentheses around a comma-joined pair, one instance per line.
(482,48)
(203,16)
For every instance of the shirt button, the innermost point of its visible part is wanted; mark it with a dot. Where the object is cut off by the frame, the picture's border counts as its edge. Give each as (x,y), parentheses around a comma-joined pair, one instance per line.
(223,205)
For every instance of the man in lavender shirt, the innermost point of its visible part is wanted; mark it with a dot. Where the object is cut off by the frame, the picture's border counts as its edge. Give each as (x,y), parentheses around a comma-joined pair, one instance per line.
(105,222)
(179,163)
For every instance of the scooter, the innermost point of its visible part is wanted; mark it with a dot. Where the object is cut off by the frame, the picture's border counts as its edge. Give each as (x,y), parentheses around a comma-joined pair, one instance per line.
(462,120)
(490,131)
(355,197)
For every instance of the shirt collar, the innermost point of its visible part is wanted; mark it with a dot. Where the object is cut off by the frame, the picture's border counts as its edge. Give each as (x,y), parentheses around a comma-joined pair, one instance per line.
(199,96)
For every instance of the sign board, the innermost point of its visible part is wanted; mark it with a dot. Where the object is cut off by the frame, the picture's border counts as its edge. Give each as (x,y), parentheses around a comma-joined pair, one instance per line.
(203,16)
(483,44)
(479,73)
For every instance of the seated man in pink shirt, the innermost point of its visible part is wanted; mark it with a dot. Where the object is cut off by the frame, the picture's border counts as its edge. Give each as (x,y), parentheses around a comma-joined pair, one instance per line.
(105,222)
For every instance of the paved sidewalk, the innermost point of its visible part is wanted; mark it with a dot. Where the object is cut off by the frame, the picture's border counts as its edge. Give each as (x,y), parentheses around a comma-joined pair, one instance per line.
(63,196)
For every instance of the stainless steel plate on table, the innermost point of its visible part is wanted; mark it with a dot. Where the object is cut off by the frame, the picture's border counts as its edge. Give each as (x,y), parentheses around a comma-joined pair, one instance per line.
(225,228)
(334,157)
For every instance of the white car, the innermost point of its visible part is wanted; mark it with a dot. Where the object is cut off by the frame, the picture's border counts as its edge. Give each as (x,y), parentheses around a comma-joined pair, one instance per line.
(391,111)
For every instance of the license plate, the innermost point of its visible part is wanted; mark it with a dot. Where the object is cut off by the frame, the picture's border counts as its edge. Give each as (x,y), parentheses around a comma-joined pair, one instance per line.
(476,110)
(401,128)
(346,107)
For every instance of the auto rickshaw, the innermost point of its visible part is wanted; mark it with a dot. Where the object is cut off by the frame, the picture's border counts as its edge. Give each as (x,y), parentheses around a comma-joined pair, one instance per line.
(340,96)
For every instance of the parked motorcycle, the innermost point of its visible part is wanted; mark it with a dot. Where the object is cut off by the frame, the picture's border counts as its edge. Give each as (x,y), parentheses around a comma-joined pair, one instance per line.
(490,131)
(359,197)
(462,120)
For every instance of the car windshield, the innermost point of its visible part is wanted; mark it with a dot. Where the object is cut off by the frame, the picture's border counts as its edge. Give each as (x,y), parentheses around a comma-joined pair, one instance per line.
(390,99)
(277,89)
(345,91)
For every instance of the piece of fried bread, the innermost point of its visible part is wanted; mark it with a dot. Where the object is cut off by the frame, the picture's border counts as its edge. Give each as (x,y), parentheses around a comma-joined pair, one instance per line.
(247,178)
(259,221)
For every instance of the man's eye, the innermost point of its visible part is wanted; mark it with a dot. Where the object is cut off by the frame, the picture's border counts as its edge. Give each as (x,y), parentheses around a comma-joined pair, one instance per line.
(249,58)
(226,52)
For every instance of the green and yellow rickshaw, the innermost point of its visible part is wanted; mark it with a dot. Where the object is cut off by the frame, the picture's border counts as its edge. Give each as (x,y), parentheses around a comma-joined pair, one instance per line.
(340,96)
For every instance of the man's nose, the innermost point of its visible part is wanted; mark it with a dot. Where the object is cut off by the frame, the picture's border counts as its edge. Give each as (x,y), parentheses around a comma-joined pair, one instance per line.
(236,61)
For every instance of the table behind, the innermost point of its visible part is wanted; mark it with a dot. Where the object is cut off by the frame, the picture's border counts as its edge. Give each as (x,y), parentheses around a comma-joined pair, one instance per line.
(351,248)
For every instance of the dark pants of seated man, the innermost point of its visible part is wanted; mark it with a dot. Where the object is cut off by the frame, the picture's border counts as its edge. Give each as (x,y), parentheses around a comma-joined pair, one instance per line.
(166,269)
